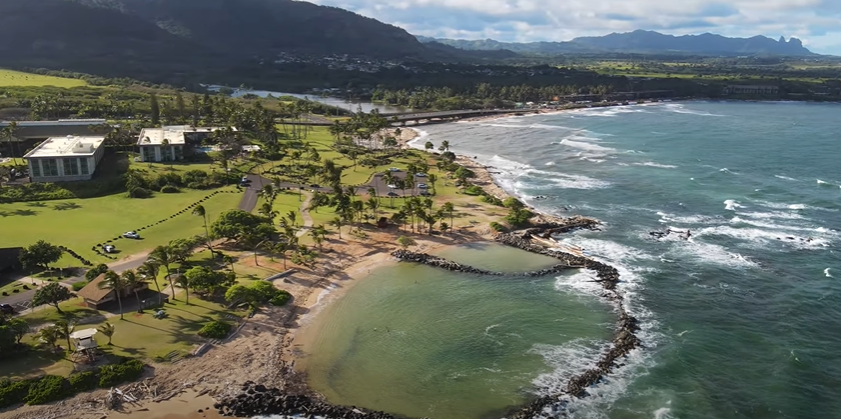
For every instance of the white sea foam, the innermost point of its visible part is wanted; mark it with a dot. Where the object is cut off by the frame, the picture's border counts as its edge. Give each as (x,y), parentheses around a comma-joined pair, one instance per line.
(760,237)
(653,164)
(687,219)
(551,163)
(726,170)
(820,182)
(773,215)
(731,205)
(419,141)
(785,177)
(585,146)
(680,108)
(550,180)
(566,361)
(797,207)
(705,252)
(827,274)
(663,413)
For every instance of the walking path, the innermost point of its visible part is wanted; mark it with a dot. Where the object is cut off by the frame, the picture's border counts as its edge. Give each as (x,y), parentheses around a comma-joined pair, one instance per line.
(305,214)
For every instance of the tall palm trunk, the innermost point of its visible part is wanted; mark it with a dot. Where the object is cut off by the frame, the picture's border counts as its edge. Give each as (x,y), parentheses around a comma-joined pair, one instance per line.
(119,302)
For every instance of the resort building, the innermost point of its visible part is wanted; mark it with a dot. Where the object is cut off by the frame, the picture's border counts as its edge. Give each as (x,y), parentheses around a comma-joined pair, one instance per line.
(169,143)
(751,90)
(65,159)
(28,133)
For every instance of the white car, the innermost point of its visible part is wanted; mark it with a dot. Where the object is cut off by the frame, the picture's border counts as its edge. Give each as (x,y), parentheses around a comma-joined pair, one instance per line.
(392,186)
(422,186)
(131,235)
(420,174)
(109,248)
(394,169)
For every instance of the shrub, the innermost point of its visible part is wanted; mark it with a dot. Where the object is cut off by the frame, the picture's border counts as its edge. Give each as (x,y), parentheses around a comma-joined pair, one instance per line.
(474,190)
(497,227)
(111,375)
(518,217)
(48,389)
(13,392)
(215,330)
(281,298)
(265,290)
(512,203)
(79,285)
(83,381)
(169,189)
(492,200)
(139,193)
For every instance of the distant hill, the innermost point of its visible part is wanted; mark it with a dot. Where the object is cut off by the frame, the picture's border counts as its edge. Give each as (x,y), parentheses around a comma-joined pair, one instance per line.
(128,37)
(643,42)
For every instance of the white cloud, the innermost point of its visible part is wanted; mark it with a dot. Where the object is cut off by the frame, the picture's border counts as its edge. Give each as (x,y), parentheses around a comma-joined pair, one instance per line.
(816,22)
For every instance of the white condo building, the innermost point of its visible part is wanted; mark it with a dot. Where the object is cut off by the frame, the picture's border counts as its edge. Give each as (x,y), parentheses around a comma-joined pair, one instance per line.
(168,143)
(65,159)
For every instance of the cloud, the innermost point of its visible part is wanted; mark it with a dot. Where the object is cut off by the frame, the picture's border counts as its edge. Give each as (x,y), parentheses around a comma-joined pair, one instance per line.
(813,21)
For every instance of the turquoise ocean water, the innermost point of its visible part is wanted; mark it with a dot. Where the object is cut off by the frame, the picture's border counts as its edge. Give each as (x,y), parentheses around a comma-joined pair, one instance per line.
(740,321)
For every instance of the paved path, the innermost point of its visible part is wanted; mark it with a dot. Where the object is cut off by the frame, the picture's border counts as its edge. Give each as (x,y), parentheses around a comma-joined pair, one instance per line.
(305,215)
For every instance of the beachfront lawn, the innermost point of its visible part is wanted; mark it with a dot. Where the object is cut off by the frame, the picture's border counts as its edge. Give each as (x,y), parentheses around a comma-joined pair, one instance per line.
(79,224)
(139,335)
(11,78)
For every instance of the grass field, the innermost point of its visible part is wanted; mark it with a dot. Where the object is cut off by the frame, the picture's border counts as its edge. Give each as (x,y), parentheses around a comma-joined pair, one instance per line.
(81,223)
(11,78)
(138,335)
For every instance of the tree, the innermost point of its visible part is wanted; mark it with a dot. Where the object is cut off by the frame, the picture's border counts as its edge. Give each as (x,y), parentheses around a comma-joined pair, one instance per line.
(230,260)
(206,280)
(114,282)
(184,282)
(155,109)
(107,330)
(449,208)
(446,145)
(40,254)
(429,146)
(19,328)
(9,133)
(161,257)
(49,335)
(201,212)
(405,242)
(432,178)
(338,223)
(239,294)
(96,271)
(241,226)
(149,271)
(64,329)
(132,281)
(52,294)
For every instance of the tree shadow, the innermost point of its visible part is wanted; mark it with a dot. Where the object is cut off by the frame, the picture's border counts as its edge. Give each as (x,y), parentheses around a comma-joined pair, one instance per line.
(37,204)
(25,213)
(64,206)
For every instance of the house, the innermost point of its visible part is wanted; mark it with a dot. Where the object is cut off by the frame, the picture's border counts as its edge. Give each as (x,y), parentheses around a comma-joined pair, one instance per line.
(95,297)
(65,159)
(168,143)
(28,133)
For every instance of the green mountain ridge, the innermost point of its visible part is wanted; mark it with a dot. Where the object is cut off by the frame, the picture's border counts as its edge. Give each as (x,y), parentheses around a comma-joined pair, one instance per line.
(641,41)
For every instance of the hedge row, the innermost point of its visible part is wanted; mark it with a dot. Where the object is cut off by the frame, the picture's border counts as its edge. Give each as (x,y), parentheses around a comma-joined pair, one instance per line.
(50,388)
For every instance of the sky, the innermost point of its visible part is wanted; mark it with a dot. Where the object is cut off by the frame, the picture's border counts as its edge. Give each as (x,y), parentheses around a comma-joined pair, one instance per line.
(815,22)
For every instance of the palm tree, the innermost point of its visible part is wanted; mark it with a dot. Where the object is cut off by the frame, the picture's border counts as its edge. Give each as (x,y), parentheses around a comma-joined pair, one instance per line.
(291,215)
(373,204)
(230,260)
(267,211)
(448,207)
(149,271)
(446,145)
(184,282)
(162,256)
(115,283)
(9,133)
(49,335)
(63,330)
(132,281)
(432,178)
(106,329)
(201,212)
(338,223)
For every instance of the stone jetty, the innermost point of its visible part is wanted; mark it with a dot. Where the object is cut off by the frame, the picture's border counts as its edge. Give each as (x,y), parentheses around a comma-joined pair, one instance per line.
(449,265)
(257,399)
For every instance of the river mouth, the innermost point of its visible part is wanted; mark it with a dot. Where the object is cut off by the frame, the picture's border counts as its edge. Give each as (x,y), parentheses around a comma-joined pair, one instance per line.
(417,341)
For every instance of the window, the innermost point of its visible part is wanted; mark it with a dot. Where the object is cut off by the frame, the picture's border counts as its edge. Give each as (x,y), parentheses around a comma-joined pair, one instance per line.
(178,152)
(148,153)
(36,168)
(50,167)
(70,167)
(83,163)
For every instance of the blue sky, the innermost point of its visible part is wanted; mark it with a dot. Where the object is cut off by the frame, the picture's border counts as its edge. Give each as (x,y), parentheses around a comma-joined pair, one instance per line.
(816,22)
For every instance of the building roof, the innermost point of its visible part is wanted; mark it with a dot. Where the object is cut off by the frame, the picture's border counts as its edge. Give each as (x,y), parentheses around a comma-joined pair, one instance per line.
(93,292)
(173,133)
(83,334)
(69,146)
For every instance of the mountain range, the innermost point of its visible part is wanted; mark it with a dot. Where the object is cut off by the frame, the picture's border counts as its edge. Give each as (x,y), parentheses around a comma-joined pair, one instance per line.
(647,42)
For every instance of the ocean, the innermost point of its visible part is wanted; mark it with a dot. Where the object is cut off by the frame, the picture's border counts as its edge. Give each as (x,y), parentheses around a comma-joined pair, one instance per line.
(740,320)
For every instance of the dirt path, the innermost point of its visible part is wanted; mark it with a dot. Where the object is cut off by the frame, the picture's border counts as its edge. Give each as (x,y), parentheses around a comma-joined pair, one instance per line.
(305,214)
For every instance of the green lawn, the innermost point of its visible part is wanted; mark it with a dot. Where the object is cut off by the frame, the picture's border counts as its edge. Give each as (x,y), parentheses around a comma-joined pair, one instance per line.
(79,224)
(11,78)
(137,336)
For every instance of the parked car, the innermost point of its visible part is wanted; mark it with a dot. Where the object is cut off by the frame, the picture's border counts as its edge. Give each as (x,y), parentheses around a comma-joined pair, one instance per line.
(394,169)
(424,192)
(108,248)
(245,180)
(131,235)
(7,309)
(392,194)
(392,186)
(420,174)
(422,186)
(315,185)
